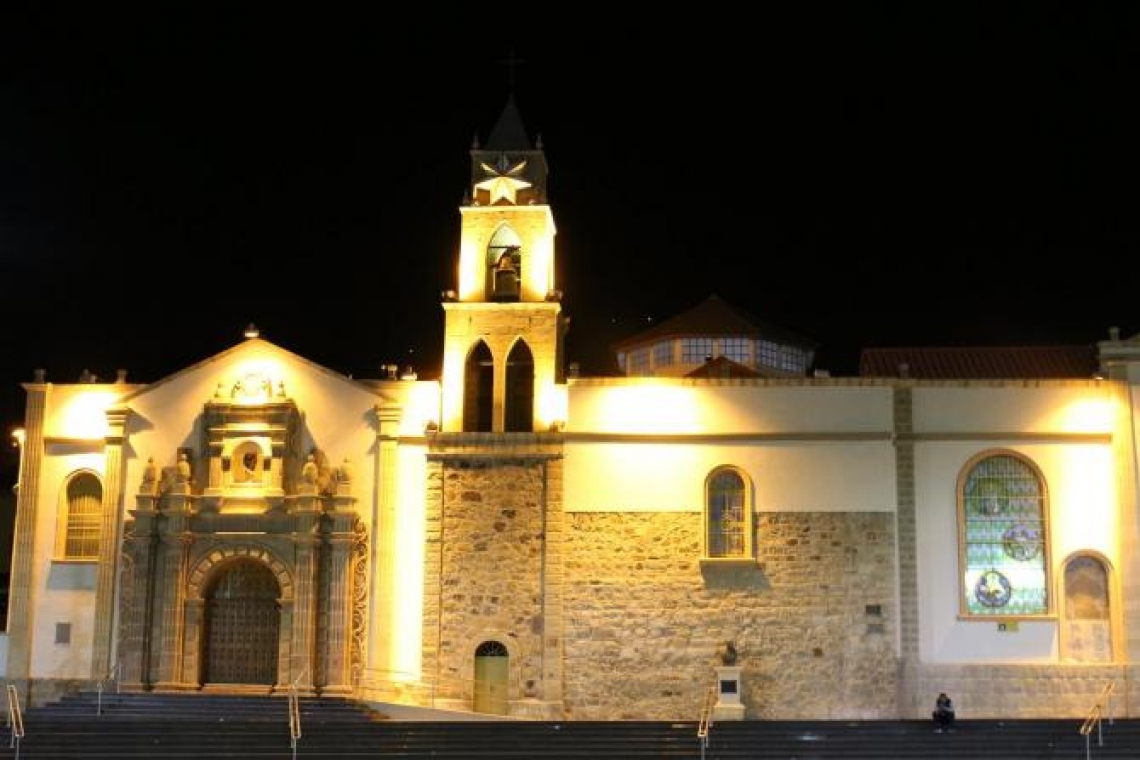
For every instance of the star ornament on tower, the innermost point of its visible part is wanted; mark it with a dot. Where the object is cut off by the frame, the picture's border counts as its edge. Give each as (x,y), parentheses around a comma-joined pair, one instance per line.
(503,180)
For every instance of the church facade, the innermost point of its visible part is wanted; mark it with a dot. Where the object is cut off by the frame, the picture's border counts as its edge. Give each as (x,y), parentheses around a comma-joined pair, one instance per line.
(512,540)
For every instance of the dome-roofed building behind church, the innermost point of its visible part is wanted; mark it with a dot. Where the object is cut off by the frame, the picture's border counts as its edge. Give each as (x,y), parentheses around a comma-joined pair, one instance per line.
(715,333)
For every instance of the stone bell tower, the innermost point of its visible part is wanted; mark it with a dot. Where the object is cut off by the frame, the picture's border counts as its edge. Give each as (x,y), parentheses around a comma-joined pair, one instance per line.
(504,323)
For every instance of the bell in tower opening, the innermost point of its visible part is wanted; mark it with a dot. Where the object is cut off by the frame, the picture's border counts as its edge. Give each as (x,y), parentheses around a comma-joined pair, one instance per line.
(506,275)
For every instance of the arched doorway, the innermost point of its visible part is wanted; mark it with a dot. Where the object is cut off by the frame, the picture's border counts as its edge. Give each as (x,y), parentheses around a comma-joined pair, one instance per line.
(492,672)
(242,621)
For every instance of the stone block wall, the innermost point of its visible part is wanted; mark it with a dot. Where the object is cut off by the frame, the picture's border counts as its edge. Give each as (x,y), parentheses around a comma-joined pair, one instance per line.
(813,619)
(492,521)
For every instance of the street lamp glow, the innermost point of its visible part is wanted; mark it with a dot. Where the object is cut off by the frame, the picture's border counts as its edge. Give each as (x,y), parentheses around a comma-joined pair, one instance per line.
(18,437)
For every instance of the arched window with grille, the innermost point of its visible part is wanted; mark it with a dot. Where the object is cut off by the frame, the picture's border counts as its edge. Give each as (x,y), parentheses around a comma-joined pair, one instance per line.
(82,517)
(1003,537)
(728,515)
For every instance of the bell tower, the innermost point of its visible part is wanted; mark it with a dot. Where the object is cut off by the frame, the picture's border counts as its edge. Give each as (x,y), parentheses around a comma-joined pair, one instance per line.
(504,322)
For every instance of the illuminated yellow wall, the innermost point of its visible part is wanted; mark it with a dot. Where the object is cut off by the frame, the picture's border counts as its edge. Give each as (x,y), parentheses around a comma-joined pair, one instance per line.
(666,405)
(785,476)
(1071,406)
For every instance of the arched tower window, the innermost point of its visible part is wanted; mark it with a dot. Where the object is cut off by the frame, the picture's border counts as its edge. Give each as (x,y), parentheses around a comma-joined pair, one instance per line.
(478,390)
(79,537)
(728,515)
(504,265)
(1003,538)
(520,390)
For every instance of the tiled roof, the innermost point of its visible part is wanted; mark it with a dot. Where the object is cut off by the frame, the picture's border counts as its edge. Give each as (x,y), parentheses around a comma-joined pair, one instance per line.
(722,366)
(715,317)
(980,362)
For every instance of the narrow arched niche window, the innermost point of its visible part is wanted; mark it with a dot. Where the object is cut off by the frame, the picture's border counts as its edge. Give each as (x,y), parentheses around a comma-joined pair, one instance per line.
(492,678)
(478,390)
(82,521)
(520,389)
(728,515)
(504,265)
(1003,537)
(1087,619)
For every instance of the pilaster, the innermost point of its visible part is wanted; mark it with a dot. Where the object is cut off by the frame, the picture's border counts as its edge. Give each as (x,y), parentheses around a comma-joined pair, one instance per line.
(108,541)
(384,614)
(20,601)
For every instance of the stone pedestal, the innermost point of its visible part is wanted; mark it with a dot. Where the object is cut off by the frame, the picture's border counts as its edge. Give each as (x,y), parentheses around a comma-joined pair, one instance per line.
(728,705)
(535,709)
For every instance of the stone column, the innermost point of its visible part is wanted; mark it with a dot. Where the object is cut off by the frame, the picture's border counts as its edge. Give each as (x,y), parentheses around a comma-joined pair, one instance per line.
(306,514)
(20,594)
(338,629)
(135,632)
(552,615)
(108,542)
(176,542)
(383,544)
(906,538)
(195,612)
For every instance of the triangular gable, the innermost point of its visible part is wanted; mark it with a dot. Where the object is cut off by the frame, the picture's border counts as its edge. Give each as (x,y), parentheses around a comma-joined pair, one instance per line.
(249,345)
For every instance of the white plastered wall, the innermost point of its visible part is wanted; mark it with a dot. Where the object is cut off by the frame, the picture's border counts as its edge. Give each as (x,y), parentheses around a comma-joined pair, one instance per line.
(1060,427)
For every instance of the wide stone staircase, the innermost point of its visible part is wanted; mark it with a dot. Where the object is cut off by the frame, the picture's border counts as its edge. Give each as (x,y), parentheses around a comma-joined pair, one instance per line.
(167,727)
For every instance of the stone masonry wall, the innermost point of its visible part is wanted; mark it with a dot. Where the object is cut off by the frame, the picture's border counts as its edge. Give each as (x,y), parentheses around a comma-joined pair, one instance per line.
(813,620)
(489,586)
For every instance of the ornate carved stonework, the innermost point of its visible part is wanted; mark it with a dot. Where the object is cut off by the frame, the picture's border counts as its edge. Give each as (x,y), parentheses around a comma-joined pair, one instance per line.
(244,498)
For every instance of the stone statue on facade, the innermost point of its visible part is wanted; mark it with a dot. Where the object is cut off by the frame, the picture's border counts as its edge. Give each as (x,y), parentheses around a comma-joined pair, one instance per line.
(183,473)
(309,471)
(149,478)
(344,472)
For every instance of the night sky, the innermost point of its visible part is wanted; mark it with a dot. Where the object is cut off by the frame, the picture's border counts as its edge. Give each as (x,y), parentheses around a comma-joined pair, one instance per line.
(863,174)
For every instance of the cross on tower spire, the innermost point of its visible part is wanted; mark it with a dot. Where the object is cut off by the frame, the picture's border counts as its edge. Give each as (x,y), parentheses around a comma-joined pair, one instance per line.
(512,63)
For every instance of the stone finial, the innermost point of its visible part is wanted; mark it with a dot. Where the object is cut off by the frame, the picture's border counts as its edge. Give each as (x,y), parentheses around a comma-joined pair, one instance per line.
(1114,333)
(39,375)
(344,474)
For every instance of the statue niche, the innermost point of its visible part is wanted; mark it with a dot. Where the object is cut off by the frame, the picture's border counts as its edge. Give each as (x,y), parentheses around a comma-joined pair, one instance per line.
(246,464)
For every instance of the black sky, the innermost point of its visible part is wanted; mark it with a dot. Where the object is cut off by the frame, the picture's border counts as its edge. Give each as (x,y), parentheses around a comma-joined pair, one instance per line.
(864,174)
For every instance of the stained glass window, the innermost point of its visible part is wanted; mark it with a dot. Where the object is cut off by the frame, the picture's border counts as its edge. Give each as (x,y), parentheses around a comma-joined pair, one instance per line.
(1003,534)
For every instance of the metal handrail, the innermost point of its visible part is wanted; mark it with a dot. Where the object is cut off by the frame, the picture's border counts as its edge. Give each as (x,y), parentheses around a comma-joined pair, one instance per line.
(112,675)
(1095,718)
(294,719)
(15,719)
(705,724)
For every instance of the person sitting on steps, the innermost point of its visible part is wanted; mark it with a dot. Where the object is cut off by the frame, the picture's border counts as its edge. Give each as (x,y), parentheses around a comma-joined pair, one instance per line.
(943,714)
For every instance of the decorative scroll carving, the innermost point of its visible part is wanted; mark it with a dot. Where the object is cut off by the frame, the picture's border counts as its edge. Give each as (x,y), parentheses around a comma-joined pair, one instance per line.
(359,598)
